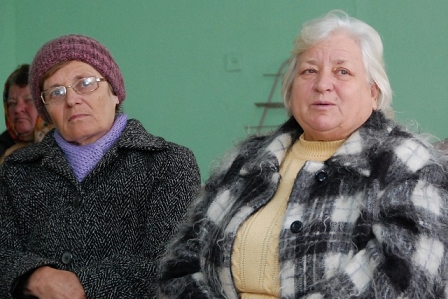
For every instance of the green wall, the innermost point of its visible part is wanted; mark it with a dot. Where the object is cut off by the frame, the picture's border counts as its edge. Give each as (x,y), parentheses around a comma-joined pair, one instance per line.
(173,57)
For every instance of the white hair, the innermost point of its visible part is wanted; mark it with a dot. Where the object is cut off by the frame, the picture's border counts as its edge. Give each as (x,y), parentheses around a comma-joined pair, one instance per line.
(368,40)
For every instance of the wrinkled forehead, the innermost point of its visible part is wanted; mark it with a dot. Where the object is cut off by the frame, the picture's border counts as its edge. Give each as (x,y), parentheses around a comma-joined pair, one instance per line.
(69,72)
(336,49)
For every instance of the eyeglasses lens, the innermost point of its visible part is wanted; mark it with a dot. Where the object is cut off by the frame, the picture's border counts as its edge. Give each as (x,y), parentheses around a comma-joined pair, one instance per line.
(82,86)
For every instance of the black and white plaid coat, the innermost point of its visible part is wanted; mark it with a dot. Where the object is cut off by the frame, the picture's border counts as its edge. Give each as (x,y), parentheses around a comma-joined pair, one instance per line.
(370,222)
(111,228)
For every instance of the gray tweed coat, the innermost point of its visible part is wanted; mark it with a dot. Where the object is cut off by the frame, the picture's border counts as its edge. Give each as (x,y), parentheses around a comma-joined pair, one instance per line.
(370,222)
(110,228)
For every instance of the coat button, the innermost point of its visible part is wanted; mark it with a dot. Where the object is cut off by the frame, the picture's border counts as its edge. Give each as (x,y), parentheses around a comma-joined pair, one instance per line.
(76,202)
(67,258)
(321,176)
(296,226)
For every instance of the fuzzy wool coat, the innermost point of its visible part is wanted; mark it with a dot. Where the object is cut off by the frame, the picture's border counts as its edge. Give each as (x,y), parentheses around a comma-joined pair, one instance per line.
(370,222)
(109,229)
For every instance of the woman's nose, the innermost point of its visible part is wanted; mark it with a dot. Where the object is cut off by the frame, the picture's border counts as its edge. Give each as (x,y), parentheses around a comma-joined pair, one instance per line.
(324,82)
(20,106)
(71,97)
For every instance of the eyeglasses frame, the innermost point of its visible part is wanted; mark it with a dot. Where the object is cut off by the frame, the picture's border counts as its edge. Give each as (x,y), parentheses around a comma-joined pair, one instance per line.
(70,86)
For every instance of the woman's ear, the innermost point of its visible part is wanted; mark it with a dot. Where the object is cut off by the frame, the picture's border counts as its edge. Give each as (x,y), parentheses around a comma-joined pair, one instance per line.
(374,92)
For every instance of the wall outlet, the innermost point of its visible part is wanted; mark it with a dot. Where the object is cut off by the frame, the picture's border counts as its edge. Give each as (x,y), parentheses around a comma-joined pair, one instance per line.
(233,62)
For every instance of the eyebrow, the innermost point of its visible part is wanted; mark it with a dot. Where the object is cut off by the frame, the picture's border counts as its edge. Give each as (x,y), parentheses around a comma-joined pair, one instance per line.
(337,61)
(75,79)
(310,61)
(341,61)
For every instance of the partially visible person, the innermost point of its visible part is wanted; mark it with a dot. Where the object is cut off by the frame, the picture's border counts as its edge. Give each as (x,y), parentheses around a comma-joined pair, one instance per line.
(442,145)
(339,202)
(87,212)
(23,124)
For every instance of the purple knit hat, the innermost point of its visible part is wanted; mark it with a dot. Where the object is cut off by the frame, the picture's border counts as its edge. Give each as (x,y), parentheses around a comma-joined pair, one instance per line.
(74,47)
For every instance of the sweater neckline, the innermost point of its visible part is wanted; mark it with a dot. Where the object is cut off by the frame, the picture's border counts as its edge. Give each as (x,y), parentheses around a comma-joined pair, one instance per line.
(315,150)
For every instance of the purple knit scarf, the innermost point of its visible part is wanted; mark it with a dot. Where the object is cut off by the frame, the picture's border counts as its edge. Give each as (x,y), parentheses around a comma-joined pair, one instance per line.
(82,158)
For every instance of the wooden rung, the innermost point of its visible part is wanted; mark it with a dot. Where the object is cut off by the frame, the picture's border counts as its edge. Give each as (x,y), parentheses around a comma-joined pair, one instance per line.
(270,105)
(261,127)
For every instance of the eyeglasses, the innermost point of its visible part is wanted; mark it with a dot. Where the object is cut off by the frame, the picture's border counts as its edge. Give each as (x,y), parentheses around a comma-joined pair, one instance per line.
(81,86)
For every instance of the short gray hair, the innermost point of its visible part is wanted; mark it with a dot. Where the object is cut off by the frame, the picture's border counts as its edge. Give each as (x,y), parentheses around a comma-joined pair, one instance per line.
(369,41)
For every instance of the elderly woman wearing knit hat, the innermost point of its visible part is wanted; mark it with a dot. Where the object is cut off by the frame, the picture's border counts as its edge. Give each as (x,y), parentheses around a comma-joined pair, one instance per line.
(88,211)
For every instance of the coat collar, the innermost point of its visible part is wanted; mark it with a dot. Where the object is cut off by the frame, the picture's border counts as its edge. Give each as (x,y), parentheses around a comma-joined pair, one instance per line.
(134,136)
(351,155)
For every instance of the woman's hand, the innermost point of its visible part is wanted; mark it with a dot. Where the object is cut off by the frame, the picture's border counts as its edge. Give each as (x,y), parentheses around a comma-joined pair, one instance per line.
(50,283)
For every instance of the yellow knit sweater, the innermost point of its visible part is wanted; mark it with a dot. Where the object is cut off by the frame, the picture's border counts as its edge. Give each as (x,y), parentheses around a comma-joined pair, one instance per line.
(255,263)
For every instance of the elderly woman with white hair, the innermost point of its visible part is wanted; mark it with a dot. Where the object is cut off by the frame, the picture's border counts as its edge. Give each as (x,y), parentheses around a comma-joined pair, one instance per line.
(339,202)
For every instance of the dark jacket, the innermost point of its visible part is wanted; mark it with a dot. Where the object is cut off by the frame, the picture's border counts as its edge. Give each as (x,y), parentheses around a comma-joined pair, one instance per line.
(6,141)
(370,222)
(109,229)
